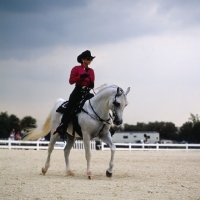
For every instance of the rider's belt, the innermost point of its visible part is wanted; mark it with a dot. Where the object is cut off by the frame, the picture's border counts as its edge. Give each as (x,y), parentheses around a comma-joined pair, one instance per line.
(85,88)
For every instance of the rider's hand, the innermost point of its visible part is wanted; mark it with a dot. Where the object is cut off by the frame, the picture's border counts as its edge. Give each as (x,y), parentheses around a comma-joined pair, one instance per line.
(91,85)
(84,75)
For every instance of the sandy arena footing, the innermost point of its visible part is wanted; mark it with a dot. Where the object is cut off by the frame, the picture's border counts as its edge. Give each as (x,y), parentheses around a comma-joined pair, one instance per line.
(137,175)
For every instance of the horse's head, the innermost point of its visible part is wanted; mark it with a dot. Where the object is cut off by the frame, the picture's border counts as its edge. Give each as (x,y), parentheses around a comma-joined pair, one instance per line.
(118,105)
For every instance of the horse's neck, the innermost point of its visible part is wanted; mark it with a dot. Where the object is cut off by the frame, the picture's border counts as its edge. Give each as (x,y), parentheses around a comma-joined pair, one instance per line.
(100,104)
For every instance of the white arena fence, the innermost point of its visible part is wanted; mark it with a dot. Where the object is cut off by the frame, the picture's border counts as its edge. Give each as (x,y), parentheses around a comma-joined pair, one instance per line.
(37,145)
(151,147)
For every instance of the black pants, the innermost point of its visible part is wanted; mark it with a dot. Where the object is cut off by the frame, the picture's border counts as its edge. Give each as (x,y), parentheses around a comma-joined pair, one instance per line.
(75,97)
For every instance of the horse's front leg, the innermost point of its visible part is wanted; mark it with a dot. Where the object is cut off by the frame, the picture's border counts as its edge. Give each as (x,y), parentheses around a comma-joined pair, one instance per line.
(86,140)
(108,140)
(68,147)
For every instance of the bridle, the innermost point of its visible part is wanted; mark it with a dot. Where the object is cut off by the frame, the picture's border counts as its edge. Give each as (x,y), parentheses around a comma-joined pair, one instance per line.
(97,117)
(115,103)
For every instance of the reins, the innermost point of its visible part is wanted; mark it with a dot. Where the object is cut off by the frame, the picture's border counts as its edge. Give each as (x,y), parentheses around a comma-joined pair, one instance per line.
(99,118)
(115,103)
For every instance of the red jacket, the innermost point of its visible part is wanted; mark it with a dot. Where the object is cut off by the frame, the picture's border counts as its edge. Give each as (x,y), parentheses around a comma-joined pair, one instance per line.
(77,71)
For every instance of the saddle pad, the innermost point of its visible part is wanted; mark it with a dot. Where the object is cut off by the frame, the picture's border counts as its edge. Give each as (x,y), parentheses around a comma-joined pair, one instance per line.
(62,108)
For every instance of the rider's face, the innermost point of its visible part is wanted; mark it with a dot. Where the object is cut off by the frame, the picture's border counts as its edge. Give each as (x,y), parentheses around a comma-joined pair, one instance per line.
(86,61)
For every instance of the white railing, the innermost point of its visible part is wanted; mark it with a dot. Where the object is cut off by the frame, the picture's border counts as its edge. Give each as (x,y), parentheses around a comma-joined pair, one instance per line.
(150,147)
(19,144)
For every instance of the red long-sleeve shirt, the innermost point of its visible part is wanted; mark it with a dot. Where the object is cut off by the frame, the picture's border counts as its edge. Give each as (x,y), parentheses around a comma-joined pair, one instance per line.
(77,71)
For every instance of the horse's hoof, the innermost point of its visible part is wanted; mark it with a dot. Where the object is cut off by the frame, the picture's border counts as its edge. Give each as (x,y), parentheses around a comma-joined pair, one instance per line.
(43,171)
(108,174)
(70,173)
(90,176)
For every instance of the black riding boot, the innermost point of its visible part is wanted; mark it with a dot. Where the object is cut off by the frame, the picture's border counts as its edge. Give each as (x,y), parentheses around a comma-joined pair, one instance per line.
(61,129)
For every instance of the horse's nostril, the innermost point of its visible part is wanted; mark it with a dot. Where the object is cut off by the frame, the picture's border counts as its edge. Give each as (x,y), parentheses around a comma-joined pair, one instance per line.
(118,122)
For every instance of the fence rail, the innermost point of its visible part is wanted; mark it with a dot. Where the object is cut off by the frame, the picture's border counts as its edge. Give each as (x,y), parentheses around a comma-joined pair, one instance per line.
(19,144)
(151,147)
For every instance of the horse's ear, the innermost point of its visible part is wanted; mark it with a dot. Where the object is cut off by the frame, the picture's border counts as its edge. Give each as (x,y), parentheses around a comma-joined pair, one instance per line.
(119,91)
(127,91)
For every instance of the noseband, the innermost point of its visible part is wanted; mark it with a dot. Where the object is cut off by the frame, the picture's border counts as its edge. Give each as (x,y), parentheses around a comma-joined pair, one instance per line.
(97,117)
(115,104)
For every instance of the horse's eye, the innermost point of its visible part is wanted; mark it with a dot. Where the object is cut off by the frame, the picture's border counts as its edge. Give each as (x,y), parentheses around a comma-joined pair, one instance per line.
(116,104)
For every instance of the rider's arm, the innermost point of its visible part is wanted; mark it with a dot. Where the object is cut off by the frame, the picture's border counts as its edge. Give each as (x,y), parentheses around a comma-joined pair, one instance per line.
(74,76)
(92,76)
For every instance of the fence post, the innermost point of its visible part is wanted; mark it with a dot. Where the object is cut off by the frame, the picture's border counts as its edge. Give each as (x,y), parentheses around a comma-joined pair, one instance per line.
(157,147)
(102,146)
(187,147)
(9,144)
(129,146)
(38,145)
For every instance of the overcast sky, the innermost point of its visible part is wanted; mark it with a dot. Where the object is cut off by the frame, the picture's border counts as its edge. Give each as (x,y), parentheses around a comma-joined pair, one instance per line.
(152,46)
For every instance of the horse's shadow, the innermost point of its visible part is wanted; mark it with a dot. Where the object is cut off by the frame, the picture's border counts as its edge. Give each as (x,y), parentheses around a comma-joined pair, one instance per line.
(83,176)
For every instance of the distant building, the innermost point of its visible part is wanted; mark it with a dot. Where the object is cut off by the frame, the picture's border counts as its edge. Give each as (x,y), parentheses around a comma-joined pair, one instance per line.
(136,137)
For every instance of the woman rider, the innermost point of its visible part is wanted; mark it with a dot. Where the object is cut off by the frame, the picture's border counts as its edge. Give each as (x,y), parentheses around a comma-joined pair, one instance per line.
(83,77)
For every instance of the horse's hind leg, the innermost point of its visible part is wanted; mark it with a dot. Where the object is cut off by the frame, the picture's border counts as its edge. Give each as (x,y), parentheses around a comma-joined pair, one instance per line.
(68,147)
(50,149)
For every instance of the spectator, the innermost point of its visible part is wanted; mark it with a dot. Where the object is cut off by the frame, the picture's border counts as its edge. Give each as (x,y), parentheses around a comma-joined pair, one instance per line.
(17,136)
(146,138)
(23,133)
(12,135)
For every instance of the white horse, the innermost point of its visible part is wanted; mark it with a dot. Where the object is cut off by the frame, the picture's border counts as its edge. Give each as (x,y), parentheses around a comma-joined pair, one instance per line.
(95,120)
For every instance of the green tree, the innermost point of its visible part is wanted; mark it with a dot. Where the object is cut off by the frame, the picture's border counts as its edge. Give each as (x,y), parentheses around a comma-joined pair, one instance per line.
(194,119)
(167,130)
(4,125)
(7,123)
(14,122)
(129,127)
(27,123)
(190,131)
(196,132)
(185,131)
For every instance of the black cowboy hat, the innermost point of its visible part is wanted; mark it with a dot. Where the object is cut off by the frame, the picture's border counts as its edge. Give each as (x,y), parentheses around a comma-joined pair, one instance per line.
(86,54)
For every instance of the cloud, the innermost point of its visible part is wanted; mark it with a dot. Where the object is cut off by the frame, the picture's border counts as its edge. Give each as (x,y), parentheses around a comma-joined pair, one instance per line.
(163,73)
(23,6)
(25,25)
(151,46)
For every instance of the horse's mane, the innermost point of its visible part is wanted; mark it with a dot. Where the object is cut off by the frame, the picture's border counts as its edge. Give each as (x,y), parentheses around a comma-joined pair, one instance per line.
(106,87)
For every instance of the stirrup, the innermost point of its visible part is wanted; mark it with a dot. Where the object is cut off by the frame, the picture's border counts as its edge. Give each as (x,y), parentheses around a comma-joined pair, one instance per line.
(59,129)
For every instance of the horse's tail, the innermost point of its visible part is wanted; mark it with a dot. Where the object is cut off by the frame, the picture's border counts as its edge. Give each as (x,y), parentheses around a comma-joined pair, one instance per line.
(35,134)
